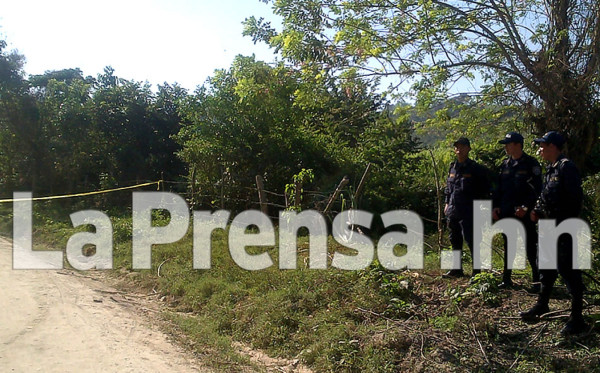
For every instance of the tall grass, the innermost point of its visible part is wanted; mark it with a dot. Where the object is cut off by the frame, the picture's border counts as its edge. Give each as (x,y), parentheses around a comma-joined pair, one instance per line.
(332,320)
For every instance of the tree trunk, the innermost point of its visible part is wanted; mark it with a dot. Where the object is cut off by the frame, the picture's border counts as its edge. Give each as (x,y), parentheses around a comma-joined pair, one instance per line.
(570,112)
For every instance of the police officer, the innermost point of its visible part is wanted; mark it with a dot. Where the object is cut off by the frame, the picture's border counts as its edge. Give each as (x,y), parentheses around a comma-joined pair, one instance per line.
(518,187)
(561,198)
(467,181)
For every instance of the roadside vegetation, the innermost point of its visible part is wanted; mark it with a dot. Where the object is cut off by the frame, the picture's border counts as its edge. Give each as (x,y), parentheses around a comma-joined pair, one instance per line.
(333,320)
(319,129)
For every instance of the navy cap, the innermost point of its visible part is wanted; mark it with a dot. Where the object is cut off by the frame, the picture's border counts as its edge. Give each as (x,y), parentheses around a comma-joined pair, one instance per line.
(512,137)
(551,137)
(463,141)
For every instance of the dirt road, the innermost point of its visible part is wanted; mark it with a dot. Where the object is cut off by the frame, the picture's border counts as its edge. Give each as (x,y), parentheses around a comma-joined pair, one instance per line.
(59,321)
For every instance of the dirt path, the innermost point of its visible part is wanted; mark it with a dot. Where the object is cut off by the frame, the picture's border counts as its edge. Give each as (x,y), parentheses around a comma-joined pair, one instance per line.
(57,321)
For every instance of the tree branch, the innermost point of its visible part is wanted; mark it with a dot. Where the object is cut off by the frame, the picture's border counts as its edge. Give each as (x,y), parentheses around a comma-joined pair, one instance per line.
(492,36)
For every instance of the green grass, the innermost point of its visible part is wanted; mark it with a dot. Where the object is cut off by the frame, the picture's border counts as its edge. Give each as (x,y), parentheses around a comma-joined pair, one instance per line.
(371,320)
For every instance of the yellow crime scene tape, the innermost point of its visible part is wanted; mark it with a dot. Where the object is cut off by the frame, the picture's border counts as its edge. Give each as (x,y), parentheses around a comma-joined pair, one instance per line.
(158,183)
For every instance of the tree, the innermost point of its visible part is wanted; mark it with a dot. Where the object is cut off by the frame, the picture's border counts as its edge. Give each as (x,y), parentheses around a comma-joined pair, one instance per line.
(66,75)
(243,123)
(541,55)
(165,122)
(135,126)
(61,133)
(392,150)
(72,154)
(21,142)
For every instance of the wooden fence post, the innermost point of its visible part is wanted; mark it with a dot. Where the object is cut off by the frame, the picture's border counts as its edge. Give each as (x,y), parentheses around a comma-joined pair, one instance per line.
(262,197)
(337,192)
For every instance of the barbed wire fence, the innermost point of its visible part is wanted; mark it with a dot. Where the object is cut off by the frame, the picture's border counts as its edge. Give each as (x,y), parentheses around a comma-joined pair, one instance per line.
(343,196)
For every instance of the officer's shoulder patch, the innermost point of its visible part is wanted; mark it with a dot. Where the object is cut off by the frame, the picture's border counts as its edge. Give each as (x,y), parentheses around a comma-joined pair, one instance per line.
(536,170)
(563,162)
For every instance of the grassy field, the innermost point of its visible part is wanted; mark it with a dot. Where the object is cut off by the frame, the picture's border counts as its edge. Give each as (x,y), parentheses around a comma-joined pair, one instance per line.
(371,320)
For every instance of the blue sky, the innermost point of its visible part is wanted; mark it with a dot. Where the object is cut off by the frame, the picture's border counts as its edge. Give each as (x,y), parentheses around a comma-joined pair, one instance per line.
(181,41)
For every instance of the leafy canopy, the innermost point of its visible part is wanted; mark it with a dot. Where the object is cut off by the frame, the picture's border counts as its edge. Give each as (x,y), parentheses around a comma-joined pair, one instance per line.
(542,56)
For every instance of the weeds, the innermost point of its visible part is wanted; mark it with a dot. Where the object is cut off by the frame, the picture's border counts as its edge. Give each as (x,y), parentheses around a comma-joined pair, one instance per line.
(485,285)
(372,320)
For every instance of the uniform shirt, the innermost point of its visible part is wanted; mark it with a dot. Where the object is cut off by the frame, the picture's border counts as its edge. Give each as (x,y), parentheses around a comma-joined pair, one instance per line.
(562,195)
(519,184)
(466,182)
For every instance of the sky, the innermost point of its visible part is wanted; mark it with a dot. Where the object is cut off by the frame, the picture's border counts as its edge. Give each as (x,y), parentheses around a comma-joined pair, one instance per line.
(157,41)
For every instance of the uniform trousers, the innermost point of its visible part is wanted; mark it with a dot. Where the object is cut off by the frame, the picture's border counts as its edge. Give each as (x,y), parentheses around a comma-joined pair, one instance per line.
(461,230)
(530,248)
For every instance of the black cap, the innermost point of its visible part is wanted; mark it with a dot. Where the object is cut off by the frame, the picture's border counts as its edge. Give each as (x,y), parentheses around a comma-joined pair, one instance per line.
(463,141)
(551,137)
(512,137)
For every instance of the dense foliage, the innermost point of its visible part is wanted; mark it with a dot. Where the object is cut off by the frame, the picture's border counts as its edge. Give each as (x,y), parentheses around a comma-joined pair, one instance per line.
(255,119)
(61,132)
(540,55)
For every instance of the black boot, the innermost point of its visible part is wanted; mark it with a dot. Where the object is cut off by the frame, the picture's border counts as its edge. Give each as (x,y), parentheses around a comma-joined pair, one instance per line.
(540,308)
(536,286)
(535,275)
(576,323)
(535,312)
(506,281)
(454,273)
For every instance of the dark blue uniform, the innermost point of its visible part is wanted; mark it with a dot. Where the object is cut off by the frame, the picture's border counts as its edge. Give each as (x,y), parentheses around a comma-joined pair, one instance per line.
(467,181)
(562,195)
(519,185)
(561,199)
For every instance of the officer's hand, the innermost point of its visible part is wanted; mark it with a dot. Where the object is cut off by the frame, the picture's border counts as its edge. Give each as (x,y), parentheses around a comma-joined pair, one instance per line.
(520,212)
(446,209)
(534,216)
(496,213)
